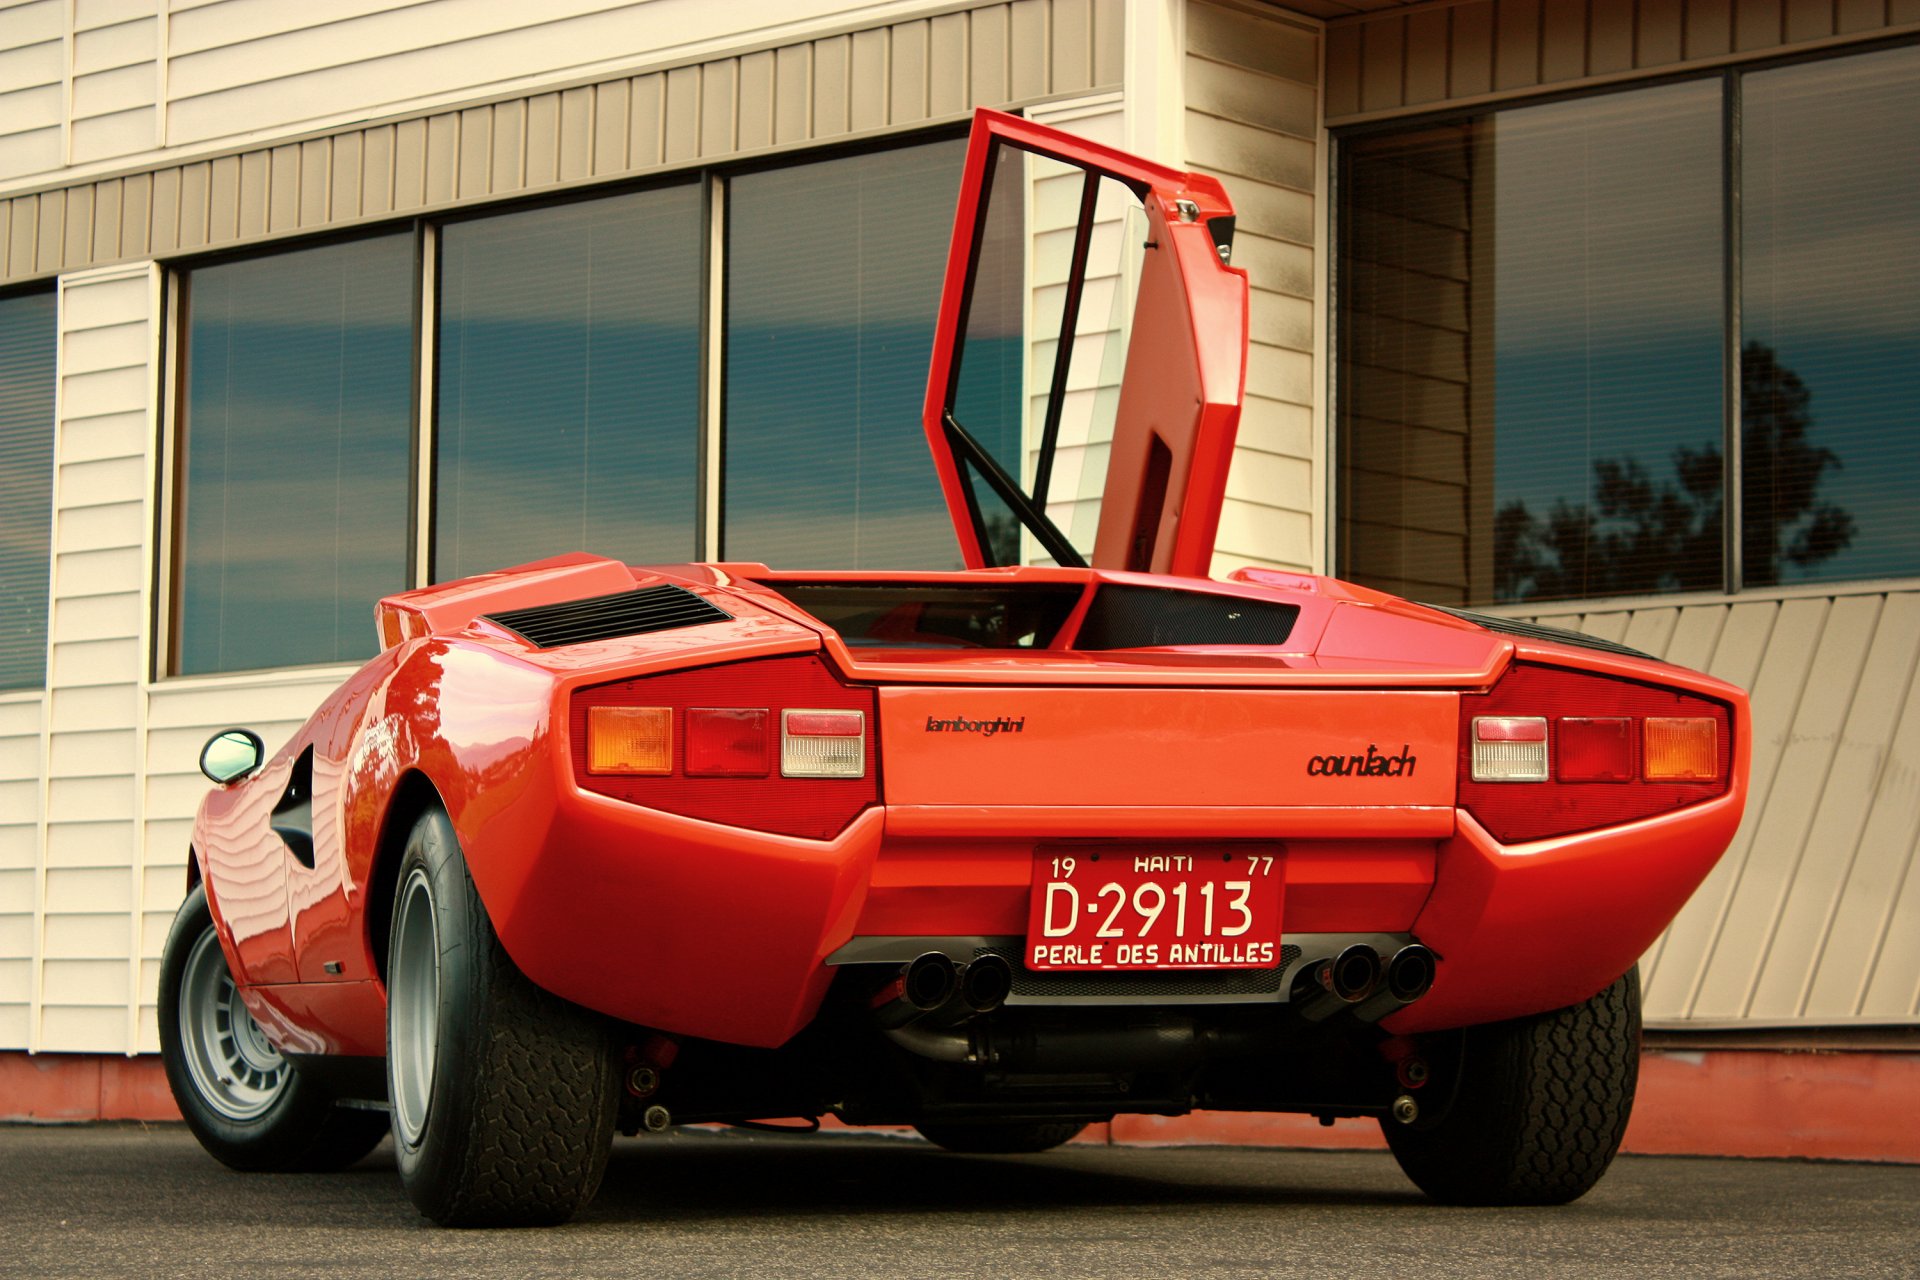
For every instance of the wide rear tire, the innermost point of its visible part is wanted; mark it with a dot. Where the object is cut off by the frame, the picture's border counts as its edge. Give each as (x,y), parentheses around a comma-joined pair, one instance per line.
(1003,1138)
(249,1106)
(504,1095)
(1542,1105)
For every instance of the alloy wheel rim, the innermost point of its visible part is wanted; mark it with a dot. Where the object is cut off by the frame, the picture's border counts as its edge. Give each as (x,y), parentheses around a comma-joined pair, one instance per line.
(235,1068)
(413,1004)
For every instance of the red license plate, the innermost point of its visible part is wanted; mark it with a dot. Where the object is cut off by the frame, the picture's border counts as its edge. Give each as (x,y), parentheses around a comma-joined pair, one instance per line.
(1120,908)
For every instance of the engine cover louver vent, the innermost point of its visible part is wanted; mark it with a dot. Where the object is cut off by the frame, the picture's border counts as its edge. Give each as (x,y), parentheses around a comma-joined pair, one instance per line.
(624,613)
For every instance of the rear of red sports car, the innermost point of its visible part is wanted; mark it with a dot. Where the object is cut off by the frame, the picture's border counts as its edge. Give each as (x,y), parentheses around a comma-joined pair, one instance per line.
(995,853)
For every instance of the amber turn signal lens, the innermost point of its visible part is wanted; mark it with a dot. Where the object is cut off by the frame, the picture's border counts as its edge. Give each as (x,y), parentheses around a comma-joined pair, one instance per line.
(1681,749)
(630,740)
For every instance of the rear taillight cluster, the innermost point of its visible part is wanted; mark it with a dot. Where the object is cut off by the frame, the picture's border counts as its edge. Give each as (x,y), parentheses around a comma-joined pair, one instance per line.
(774,744)
(1550,751)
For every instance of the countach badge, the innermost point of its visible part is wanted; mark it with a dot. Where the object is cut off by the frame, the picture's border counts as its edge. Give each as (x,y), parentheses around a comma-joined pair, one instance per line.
(1370,765)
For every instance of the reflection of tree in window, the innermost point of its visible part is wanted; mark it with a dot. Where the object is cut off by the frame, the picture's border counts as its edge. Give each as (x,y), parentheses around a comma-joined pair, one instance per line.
(1639,536)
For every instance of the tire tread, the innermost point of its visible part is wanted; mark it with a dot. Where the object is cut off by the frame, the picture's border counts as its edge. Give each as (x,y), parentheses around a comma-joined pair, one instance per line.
(1542,1106)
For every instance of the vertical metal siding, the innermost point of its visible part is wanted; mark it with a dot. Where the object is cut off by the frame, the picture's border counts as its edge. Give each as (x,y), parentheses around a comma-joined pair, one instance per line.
(1813,916)
(808,91)
(1420,57)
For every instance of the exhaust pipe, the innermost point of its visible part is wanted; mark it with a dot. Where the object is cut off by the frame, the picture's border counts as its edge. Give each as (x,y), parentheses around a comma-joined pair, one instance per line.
(923,984)
(986,983)
(1410,975)
(1336,984)
(1159,1042)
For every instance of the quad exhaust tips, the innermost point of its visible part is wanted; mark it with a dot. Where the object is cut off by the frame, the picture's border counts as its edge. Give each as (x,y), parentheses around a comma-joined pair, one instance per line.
(1360,980)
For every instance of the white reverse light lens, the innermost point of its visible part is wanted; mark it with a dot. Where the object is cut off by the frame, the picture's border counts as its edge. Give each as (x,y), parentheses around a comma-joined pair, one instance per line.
(1510,749)
(823,744)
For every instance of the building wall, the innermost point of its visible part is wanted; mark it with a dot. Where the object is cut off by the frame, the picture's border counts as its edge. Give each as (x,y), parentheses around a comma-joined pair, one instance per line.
(1813,916)
(98,772)
(846,83)
(1419,57)
(1251,80)
(147,76)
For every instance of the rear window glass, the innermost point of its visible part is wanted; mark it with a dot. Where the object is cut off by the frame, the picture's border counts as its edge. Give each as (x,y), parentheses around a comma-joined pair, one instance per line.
(1149,617)
(928,615)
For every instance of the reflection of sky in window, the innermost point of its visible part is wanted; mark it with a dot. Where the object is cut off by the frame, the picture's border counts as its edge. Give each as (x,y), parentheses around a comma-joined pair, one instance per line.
(1831,282)
(297,438)
(833,284)
(1608,292)
(26,484)
(569,383)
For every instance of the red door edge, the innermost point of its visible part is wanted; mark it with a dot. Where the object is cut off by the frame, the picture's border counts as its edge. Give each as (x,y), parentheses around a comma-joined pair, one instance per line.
(1185,372)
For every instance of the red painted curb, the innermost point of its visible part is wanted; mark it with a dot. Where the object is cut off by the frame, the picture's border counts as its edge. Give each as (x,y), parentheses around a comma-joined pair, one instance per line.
(1771,1103)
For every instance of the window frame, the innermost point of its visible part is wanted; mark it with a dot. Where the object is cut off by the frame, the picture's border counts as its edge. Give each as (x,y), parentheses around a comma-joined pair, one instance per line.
(1731,77)
(710,445)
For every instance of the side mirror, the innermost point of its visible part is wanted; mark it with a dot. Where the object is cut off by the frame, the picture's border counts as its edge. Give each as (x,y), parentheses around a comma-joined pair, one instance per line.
(232,755)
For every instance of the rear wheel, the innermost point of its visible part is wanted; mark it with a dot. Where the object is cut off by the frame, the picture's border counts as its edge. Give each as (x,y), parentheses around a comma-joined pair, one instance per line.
(503,1094)
(246,1102)
(1001,1138)
(1542,1105)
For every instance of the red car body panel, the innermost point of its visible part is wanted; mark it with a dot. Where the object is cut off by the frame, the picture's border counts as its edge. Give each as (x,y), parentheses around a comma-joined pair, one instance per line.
(721,931)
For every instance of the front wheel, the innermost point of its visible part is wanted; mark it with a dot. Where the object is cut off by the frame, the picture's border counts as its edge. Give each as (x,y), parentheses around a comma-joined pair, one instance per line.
(504,1095)
(1541,1107)
(246,1102)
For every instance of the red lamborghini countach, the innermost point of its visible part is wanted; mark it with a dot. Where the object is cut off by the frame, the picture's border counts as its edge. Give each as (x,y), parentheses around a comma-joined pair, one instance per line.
(996,853)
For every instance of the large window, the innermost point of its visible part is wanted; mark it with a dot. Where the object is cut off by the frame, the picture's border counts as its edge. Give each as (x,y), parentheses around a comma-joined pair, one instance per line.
(569,383)
(26,485)
(1830,319)
(574,403)
(1539,308)
(833,283)
(294,472)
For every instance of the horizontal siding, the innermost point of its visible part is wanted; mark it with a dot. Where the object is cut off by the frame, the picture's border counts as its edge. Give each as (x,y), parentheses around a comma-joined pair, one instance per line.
(1813,915)
(33,70)
(89,909)
(1252,120)
(21,755)
(116,79)
(891,76)
(1417,57)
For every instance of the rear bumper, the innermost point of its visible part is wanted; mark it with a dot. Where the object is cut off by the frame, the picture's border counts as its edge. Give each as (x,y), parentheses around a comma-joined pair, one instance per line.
(727,934)
(1532,927)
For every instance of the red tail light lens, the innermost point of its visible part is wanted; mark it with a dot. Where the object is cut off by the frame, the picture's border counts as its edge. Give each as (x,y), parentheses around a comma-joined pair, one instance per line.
(1616,751)
(726,722)
(1596,749)
(728,742)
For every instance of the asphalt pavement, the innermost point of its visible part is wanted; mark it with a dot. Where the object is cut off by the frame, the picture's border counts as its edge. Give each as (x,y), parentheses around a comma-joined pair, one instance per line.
(108,1200)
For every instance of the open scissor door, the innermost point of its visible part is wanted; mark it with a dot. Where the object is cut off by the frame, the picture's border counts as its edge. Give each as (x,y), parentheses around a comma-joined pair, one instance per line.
(1090,356)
